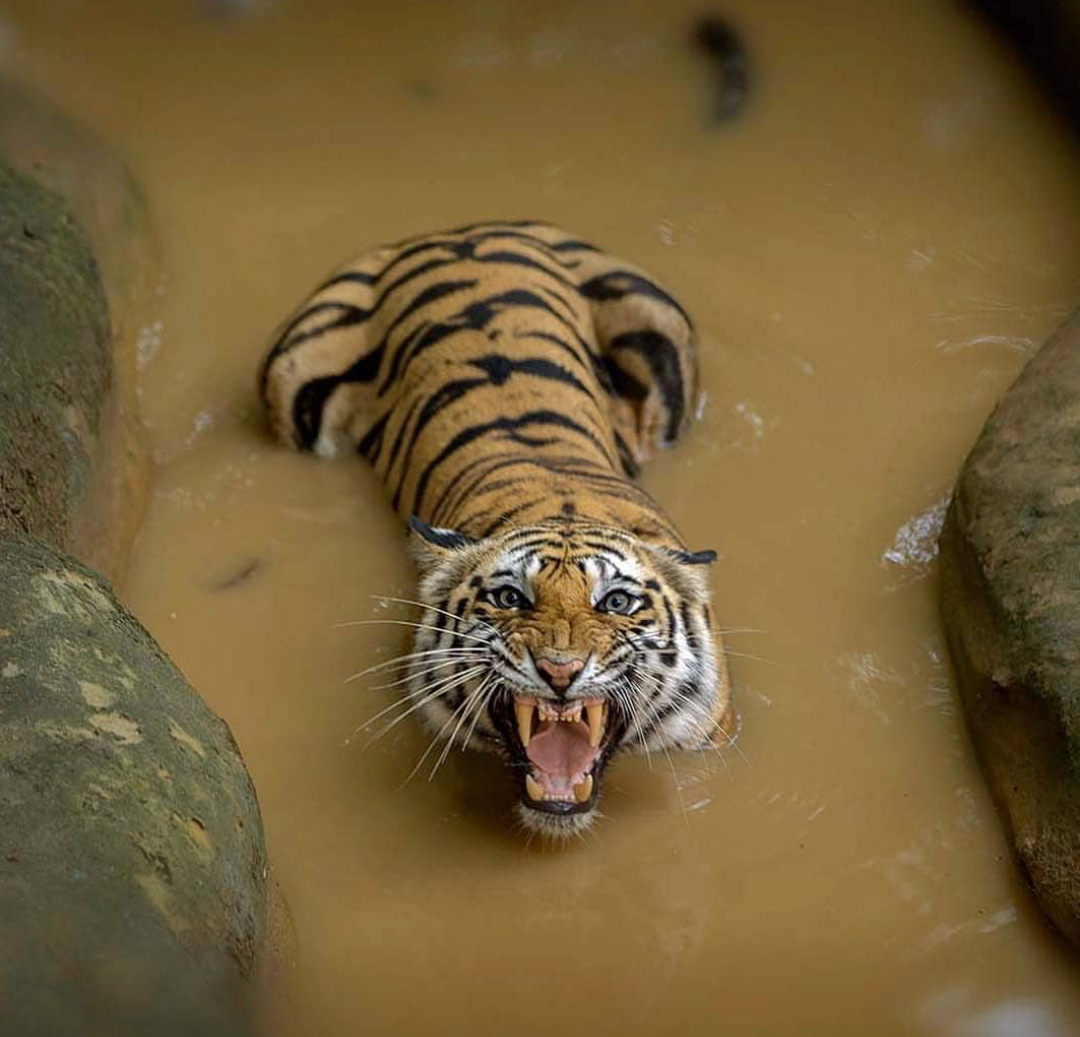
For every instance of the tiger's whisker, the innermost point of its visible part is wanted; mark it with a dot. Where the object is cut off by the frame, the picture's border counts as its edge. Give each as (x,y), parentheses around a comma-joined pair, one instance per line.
(407,623)
(434,741)
(628,707)
(382,732)
(694,641)
(697,708)
(440,686)
(428,693)
(756,658)
(473,698)
(405,660)
(416,675)
(480,709)
(432,608)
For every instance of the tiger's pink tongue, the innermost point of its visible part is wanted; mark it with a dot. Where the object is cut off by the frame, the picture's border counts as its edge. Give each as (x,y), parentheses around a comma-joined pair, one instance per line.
(562,748)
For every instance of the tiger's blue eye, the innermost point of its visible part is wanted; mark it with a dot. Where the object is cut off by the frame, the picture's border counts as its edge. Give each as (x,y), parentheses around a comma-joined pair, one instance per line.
(508,598)
(619,602)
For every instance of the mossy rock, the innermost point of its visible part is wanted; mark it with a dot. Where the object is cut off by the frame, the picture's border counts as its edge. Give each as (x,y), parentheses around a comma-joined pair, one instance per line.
(1010,553)
(132,865)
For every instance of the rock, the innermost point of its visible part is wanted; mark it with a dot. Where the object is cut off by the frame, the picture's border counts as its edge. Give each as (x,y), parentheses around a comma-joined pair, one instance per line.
(57,367)
(77,268)
(41,142)
(132,864)
(1010,563)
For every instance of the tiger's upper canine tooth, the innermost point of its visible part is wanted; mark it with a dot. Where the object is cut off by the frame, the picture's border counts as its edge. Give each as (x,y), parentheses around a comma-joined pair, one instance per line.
(583,789)
(524,712)
(596,723)
(534,788)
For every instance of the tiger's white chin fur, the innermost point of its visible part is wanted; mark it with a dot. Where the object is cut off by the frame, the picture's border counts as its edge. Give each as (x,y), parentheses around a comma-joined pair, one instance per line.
(555,828)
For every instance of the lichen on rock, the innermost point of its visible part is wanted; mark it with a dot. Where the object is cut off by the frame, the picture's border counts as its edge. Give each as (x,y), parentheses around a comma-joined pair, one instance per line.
(135,897)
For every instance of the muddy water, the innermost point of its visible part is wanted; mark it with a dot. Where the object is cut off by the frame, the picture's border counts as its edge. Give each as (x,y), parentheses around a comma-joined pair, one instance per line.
(871,254)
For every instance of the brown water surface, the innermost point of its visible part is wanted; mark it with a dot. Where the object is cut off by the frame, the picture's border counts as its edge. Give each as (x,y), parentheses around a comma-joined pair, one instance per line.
(871,254)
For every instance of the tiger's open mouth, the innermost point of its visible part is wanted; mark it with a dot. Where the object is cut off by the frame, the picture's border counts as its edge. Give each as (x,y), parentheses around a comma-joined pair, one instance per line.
(560,749)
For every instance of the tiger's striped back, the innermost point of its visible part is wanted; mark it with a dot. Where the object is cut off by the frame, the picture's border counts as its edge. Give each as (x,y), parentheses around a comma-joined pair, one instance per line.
(494,375)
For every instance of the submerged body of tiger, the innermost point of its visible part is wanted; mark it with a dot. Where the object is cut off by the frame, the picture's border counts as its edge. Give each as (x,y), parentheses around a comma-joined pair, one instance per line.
(505,380)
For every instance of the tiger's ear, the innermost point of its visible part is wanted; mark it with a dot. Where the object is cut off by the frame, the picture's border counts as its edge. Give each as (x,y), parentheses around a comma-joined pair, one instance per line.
(437,536)
(432,545)
(693,557)
(685,571)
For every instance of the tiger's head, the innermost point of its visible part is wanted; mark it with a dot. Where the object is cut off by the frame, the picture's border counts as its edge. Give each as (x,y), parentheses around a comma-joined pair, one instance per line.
(560,645)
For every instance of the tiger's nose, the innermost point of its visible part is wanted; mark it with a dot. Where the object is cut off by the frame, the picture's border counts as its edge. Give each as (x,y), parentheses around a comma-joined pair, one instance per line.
(559,674)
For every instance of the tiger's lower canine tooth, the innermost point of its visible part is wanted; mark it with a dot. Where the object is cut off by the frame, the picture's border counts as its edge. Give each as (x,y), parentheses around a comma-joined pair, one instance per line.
(583,789)
(535,789)
(524,712)
(596,725)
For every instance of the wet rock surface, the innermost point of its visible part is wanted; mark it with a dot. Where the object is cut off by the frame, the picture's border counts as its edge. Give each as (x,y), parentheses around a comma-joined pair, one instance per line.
(57,369)
(42,143)
(131,856)
(1010,552)
(78,265)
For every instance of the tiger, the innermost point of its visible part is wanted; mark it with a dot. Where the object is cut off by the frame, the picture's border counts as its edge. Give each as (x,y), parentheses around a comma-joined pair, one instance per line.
(506,380)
